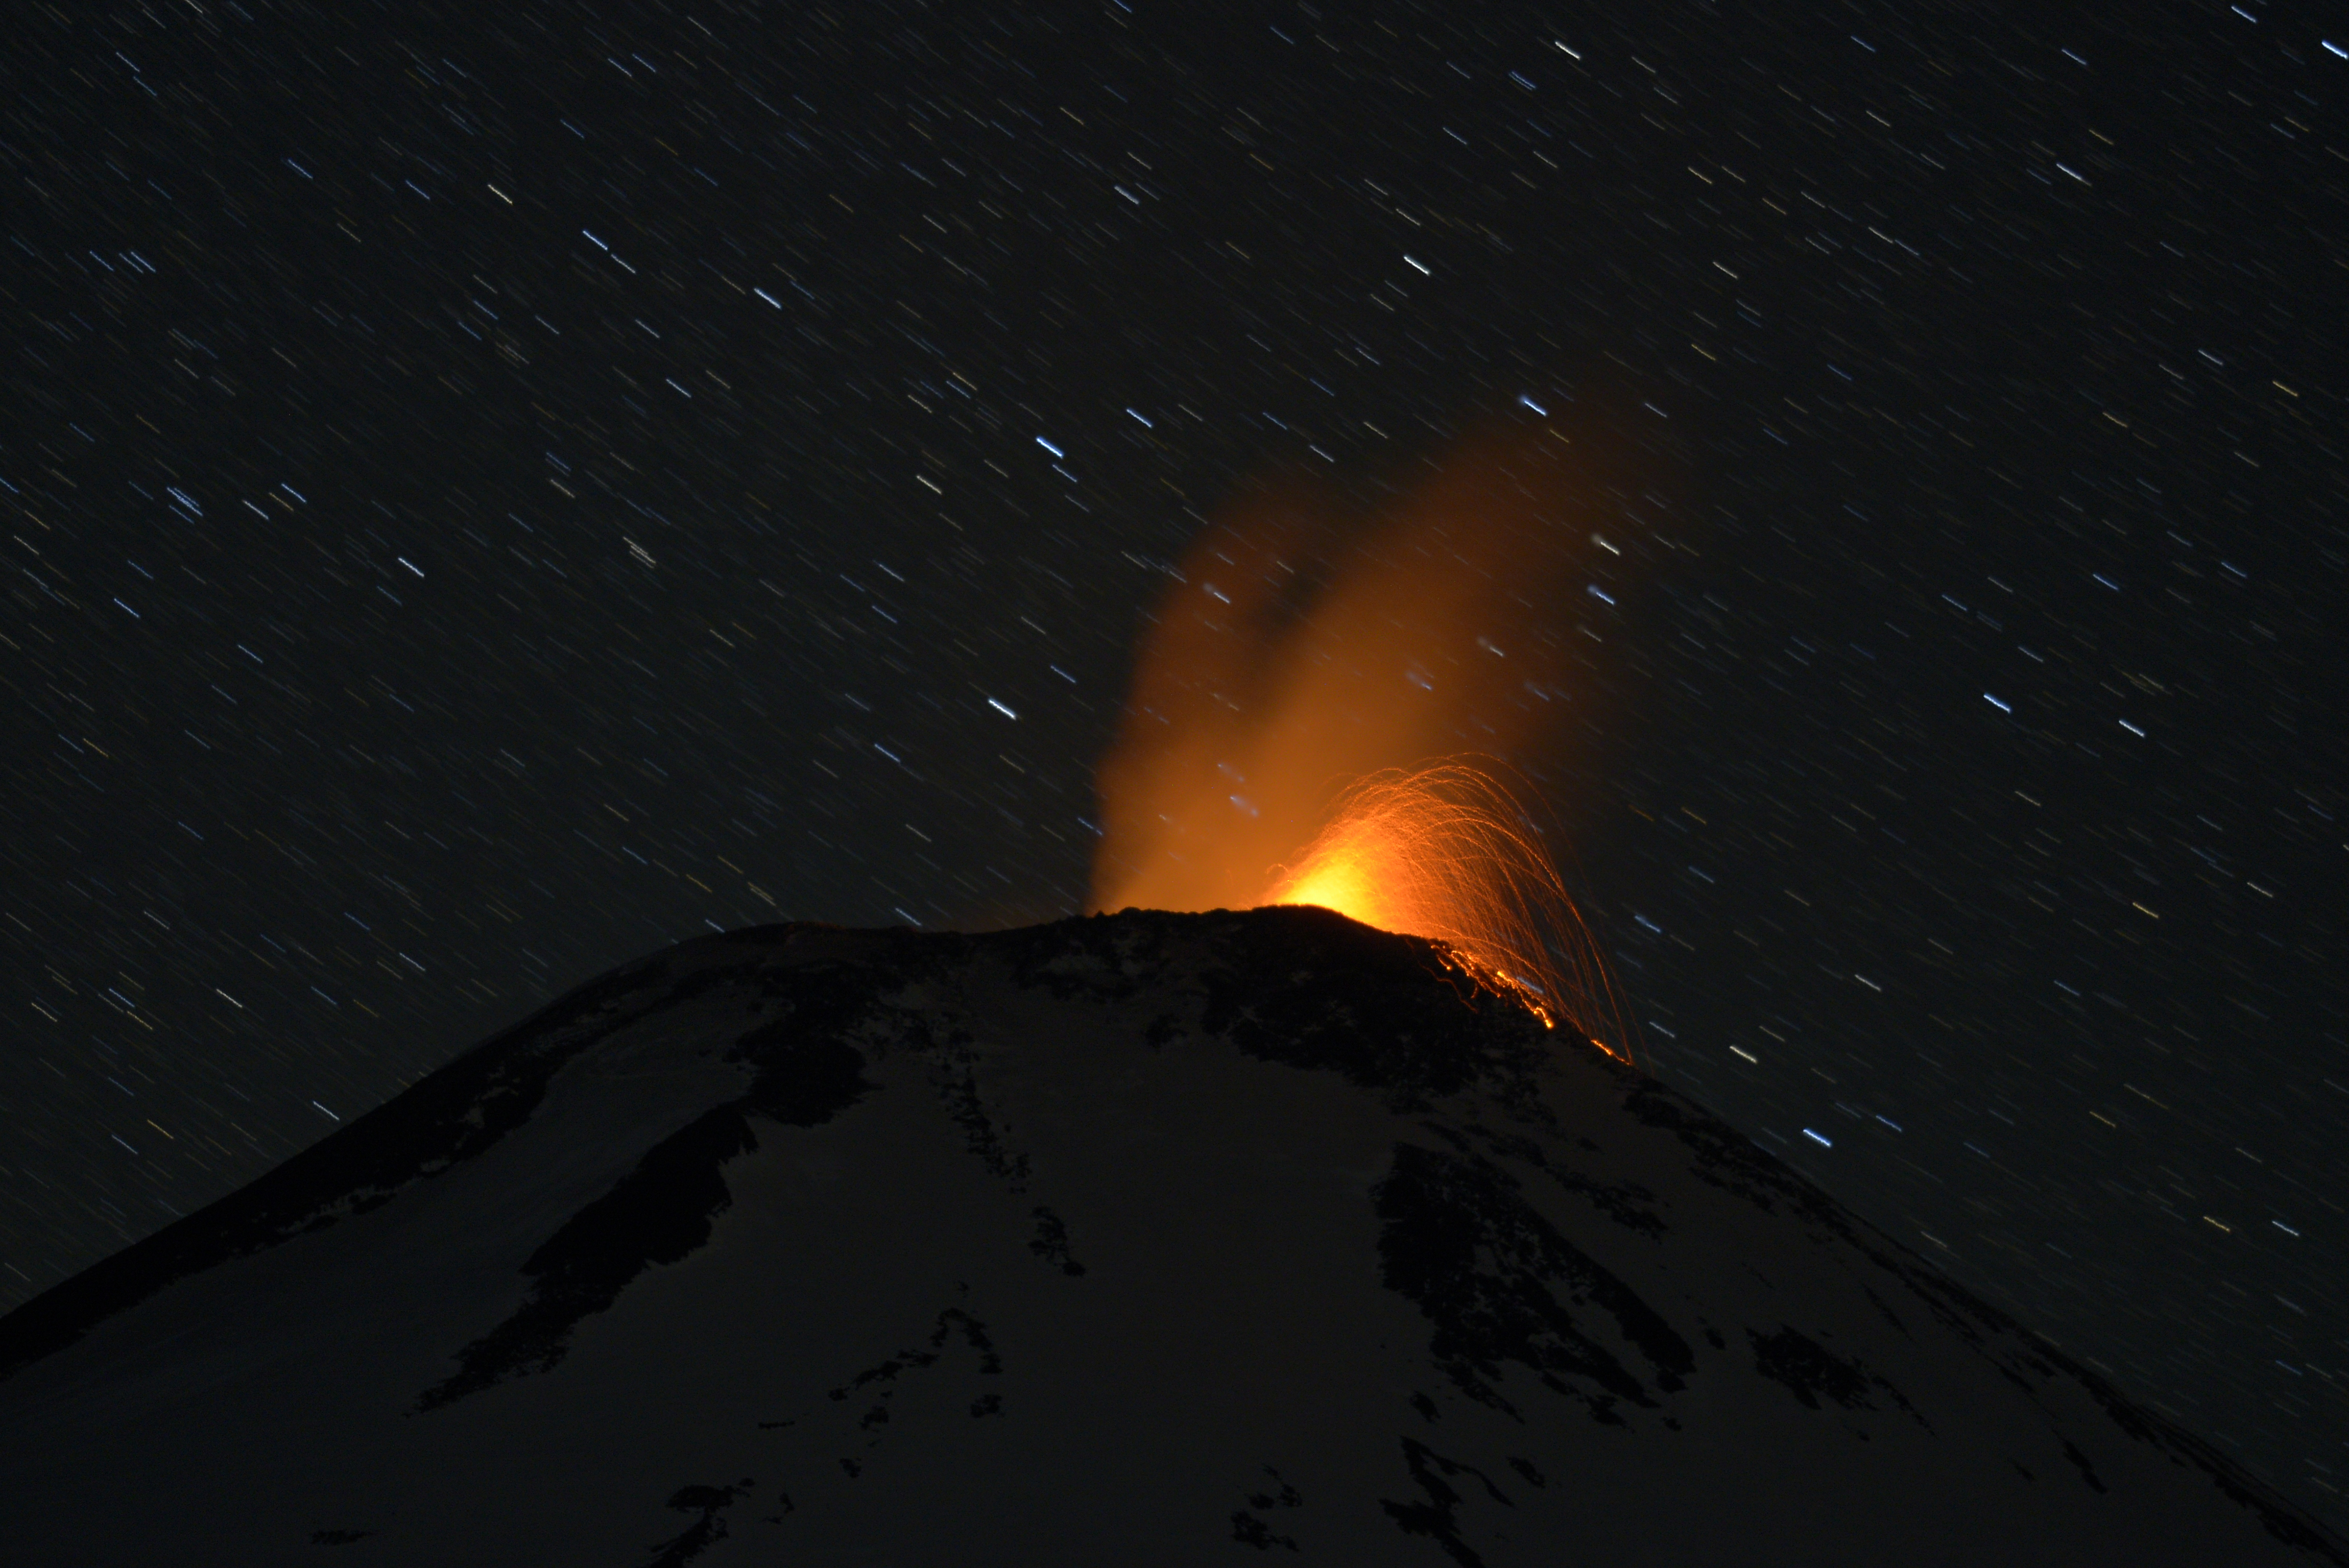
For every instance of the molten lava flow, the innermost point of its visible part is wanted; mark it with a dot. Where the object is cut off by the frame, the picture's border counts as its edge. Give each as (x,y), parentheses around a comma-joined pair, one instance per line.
(1305,664)
(1444,851)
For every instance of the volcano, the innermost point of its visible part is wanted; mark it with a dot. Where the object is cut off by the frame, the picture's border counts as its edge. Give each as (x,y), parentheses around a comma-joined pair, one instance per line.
(1134,1239)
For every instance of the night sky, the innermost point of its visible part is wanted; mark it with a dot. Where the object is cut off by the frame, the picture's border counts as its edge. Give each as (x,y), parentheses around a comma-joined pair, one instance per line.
(496,489)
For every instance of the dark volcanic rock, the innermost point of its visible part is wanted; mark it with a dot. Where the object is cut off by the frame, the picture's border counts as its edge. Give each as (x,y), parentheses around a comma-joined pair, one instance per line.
(1145,1239)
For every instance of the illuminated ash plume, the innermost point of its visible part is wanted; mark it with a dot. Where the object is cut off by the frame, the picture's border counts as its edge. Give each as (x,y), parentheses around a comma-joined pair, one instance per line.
(1296,679)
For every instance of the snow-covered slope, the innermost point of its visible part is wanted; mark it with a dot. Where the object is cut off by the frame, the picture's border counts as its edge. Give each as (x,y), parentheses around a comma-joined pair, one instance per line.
(1134,1240)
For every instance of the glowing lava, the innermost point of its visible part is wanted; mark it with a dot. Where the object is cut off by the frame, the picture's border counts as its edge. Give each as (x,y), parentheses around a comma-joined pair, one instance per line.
(1445,852)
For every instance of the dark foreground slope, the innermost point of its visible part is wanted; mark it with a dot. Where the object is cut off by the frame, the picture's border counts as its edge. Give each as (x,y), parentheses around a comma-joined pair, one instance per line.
(1137,1240)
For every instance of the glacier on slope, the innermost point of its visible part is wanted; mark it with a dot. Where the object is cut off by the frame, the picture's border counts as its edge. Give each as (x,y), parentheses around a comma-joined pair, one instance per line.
(1138,1239)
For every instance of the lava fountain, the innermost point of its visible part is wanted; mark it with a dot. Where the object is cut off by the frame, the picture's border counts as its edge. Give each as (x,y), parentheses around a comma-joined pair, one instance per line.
(1300,674)
(1446,851)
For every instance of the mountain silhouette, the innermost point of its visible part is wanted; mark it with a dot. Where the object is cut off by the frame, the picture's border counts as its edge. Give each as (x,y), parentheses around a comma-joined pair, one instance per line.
(1134,1239)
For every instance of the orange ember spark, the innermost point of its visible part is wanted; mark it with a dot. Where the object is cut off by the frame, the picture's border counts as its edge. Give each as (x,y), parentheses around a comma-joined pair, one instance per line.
(1445,852)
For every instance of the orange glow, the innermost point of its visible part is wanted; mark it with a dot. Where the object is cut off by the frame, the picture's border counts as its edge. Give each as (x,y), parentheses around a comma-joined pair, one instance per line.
(1303,667)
